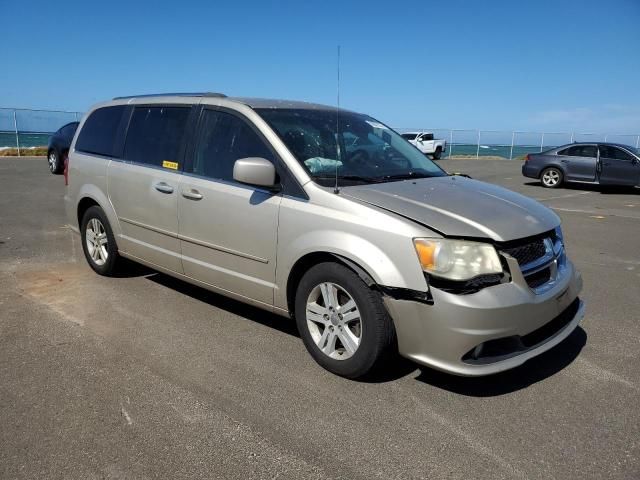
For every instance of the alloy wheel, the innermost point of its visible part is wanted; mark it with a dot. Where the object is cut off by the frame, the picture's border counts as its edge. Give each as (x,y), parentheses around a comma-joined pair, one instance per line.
(97,241)
(334,321)
(53,161)
(551,178)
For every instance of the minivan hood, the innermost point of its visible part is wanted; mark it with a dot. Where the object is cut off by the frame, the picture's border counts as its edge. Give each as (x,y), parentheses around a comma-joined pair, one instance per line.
(460,207)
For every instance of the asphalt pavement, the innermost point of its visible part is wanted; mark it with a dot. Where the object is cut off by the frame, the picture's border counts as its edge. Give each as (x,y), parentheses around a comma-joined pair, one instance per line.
(145,376)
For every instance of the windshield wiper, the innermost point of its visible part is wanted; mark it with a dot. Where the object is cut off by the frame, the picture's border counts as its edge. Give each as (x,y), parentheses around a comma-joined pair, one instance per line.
(405,176)
(355,178)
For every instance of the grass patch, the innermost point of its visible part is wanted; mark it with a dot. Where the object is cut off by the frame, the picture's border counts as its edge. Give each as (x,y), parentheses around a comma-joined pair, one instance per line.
(24,152)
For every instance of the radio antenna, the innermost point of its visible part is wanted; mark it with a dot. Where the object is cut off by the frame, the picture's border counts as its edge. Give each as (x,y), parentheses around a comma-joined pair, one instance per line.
(336,188)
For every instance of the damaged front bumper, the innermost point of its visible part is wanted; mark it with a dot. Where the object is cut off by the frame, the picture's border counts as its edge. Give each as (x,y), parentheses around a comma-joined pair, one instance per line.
(492,330)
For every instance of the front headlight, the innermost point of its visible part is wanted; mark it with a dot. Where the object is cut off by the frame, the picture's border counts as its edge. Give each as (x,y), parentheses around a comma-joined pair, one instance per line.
(456,259)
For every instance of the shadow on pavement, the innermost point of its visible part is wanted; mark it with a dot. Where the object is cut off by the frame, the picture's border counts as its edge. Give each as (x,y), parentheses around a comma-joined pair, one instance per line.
(130,269)
(533,371)
(396,367)
(230,305)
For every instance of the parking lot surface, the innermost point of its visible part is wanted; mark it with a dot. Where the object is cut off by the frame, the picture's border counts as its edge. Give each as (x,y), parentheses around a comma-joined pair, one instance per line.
(145,376)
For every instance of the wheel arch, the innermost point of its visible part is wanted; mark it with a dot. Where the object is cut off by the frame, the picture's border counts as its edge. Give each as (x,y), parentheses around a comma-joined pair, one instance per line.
(304,263)
(85,204)
(90,195)
(555,165)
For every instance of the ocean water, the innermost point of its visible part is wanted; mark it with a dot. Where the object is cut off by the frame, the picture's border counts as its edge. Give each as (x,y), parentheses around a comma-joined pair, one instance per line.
(503,151)
(28,140)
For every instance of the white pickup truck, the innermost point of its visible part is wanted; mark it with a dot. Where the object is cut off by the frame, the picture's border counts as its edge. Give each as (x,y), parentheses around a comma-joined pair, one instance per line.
(426,143)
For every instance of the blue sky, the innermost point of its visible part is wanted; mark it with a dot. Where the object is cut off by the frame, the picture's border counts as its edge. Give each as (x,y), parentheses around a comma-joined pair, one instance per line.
(538,65)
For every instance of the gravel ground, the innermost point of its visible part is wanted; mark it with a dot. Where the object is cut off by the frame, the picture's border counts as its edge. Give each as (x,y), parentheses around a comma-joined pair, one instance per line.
(147,377)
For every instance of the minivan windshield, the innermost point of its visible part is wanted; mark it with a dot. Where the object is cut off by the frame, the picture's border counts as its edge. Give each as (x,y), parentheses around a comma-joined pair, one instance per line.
(357,147)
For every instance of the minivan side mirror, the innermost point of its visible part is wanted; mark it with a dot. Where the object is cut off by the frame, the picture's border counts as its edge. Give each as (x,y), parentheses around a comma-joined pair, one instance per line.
(255,171)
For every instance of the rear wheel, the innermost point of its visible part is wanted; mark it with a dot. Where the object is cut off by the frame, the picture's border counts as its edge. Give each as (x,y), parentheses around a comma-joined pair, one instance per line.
(551,177)
(98,242)
(55,165)
(437,154)
(342,322)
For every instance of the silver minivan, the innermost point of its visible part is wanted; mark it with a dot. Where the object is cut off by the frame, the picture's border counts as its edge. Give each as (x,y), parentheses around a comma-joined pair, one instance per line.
(329,217)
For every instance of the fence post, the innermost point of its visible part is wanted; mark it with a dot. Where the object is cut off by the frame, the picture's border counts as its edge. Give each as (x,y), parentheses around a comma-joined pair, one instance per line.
(605,137)
(571,138)
(450,142)
(15,126)
(637,141)
(75,114)
(513,137)
(478,149)
(542,142)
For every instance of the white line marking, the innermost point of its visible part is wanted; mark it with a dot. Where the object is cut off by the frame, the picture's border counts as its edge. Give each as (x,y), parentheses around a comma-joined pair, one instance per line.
(73,246)
(564,196)
(126,416)
(576,210)
(478,445)
(605,374)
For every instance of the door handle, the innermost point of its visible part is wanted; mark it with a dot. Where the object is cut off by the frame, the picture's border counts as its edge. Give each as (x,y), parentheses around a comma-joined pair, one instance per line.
(192,194)
(163,187)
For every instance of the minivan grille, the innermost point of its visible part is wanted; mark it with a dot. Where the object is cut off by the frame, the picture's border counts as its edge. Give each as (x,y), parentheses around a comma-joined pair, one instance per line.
(534,280)
(527,253)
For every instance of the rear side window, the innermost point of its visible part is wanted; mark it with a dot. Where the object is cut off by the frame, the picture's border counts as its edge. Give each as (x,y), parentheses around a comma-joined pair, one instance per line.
(615,153)
(409,136)
(222,139)
(99,131)
(580,151)
(155,135)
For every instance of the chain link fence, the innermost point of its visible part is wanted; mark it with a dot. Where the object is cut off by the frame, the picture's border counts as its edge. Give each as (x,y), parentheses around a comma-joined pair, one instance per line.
(25,129)
(514,144)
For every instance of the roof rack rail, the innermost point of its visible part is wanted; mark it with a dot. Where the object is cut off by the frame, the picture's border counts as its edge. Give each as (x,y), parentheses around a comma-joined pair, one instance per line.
(182,94)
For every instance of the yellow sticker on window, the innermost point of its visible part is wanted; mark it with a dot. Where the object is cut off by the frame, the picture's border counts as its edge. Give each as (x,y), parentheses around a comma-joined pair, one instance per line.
(171,165)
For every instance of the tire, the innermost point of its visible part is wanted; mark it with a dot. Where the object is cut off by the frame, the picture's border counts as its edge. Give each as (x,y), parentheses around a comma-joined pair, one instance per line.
(55,164)
(551,177)
(104,260)
(368,327)
(437,154)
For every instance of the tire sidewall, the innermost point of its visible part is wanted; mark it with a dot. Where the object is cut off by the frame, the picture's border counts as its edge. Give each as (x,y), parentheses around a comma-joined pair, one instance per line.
(369,349)
(108,267)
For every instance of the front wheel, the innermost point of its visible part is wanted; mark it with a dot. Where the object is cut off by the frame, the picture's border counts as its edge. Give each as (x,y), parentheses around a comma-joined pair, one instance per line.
(343,323)
(551,178)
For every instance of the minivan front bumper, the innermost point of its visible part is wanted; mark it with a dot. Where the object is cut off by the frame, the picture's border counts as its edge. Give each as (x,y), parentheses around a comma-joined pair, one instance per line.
(495,329)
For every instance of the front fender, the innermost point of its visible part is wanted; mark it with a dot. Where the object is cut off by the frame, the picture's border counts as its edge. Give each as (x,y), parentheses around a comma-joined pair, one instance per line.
(357,249)
(401,272)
